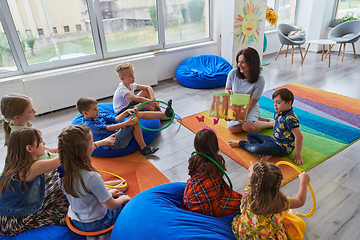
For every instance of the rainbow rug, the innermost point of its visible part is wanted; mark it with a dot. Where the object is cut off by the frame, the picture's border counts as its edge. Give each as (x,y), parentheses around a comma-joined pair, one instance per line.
(329,123)
(134,168)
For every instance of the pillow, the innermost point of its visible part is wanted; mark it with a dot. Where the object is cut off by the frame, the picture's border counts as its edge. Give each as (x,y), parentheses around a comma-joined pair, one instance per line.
(203,71)
(156,214)
(50,232)
(149,136)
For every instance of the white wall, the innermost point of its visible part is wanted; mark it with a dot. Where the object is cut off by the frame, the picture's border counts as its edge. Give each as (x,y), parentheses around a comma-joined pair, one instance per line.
(314,18)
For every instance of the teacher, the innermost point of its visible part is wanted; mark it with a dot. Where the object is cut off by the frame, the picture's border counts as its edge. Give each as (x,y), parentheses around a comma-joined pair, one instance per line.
(246,79)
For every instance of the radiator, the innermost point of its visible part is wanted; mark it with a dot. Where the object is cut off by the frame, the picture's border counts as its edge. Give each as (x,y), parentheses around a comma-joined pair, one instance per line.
(63,88)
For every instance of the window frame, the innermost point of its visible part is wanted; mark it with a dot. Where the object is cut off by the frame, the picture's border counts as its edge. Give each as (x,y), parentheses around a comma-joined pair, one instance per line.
(101,52)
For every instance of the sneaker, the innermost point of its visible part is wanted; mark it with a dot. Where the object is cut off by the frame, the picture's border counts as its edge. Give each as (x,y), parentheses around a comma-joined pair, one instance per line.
(148,150)
(168,111)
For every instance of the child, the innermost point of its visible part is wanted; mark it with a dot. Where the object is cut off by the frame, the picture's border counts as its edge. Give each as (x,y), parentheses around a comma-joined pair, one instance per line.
(287,134)
(206,191)
(264,206)
(18,111)
(101,127)
(124,96)
(92,206)
(28,198)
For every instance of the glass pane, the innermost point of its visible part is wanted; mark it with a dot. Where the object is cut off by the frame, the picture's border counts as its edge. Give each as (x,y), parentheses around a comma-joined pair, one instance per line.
(129,24)
(48,31)
(348,7)
(286,11)
(270,4)
(7,63)
(186,20)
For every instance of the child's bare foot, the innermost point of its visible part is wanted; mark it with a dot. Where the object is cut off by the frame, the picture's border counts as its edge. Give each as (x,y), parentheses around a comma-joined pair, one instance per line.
(233,143)
(264,119)
(265,158)
(118,184)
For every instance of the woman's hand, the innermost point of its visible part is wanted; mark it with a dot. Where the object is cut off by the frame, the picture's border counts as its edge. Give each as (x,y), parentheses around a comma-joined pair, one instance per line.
(228,90)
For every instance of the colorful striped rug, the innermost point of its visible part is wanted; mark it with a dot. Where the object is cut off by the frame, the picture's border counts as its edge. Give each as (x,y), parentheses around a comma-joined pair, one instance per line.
(329,123)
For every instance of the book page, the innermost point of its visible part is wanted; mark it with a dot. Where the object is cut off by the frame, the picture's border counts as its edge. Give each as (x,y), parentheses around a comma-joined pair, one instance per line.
(219,106)
(238,106)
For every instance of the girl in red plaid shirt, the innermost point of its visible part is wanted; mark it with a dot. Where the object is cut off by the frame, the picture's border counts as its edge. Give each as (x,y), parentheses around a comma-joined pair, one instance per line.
(206,191)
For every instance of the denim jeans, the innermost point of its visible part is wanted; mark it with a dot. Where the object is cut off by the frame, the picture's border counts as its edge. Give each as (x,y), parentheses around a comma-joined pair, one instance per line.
(262,145)
(100,224)
(123,138)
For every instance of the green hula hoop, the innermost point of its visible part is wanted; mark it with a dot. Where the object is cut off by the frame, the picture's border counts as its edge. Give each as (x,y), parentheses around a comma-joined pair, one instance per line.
(216,165)
(155,130)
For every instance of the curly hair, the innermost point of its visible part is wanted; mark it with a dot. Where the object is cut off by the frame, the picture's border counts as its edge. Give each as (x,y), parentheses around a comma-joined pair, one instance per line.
(266,197)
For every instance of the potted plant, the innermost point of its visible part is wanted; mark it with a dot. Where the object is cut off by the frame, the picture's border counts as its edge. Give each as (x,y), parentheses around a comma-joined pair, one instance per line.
(348,17)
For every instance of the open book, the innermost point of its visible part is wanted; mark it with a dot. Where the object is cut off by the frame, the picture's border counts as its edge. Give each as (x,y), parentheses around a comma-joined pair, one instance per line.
(232,106)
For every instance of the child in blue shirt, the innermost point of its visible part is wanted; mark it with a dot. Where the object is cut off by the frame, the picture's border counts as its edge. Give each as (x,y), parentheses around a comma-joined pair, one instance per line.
(123,125)
(287,135)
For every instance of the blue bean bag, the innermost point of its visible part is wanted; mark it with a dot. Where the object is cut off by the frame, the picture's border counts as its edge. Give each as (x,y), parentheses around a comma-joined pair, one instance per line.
(203,71)
(149,136)
(50,232)
(156,214)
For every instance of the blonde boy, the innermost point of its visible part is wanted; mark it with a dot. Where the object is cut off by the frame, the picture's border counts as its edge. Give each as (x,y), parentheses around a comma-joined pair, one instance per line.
(125,97)
(125,127)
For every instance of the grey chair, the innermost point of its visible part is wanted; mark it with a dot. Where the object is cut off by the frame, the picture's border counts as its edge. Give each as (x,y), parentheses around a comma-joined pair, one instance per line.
(283,30)
(347,32)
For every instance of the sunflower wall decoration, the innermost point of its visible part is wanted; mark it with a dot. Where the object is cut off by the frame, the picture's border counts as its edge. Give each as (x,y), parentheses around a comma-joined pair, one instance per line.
(248,26)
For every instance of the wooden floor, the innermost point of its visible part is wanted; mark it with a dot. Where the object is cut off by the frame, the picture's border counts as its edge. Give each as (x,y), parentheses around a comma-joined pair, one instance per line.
(334,181)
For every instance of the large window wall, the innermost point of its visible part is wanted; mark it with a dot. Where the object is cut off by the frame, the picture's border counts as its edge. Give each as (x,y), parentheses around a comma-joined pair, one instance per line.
(37,35)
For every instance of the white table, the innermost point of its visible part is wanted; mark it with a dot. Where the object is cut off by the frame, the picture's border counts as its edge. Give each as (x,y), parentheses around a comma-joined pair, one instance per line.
(321,42)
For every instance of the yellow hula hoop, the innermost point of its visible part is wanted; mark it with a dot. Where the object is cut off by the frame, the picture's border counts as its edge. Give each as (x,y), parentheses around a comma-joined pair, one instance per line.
(114,176)
(309,186)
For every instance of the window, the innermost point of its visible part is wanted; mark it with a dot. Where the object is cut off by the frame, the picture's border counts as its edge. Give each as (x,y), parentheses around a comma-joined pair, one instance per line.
(7,63)
(40,31)
(125,28)
(188,20)
(347,7)
(50,47)
(286,10)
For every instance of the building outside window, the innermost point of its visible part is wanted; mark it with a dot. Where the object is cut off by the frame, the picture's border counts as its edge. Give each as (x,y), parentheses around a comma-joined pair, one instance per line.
(54,30)
(66,29)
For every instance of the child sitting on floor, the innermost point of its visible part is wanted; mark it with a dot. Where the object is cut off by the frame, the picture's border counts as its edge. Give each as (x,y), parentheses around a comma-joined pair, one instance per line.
(287,134)
(18,111)
(103,126)
(28,198)
(125,97)
(92,206)
(264,206)
(206,192)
